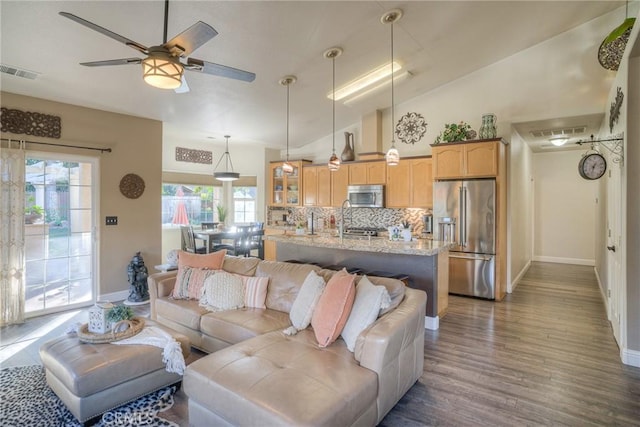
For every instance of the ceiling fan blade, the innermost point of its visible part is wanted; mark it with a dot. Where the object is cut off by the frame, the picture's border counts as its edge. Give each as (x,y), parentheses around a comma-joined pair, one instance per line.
(194,64)
(184,87)
(106,32)
(124,61)
(190,39)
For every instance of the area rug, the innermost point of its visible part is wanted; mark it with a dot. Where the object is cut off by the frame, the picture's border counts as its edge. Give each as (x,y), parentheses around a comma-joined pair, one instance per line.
(27,400)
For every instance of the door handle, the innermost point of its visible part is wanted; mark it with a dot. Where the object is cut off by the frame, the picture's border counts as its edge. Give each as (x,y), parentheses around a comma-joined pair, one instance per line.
(612,248)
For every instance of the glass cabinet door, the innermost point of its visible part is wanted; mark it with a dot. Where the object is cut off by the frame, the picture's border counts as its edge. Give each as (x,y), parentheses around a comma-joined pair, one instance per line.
(278,186)
(293,187)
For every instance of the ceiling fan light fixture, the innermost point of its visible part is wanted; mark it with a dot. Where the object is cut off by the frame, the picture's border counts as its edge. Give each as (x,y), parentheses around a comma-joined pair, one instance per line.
(163,71)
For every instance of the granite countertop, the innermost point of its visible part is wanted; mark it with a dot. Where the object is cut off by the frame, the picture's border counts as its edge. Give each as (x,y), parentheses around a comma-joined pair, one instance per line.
(376,244)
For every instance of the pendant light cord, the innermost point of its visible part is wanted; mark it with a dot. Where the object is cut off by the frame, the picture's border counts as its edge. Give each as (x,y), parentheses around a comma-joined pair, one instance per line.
(333,134)
(393,119)
(288,122)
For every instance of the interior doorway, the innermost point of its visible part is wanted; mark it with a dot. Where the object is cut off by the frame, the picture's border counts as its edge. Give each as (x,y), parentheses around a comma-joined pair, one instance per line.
(614,237)
(60,241)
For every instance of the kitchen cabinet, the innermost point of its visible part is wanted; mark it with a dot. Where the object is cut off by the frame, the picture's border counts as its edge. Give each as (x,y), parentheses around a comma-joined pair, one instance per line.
(316,185)
(286,190)
(410,184)
(466,159)
(363,173)
(270,252)
(339,184)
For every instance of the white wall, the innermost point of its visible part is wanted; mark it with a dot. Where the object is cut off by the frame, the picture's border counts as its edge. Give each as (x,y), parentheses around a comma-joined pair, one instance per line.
(520,209)
(564,210)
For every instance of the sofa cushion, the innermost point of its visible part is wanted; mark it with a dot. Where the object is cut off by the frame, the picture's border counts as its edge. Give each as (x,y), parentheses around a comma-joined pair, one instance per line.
(285,282)
(334,307)
(275,379)
(190,282)
(306,301)
(223,291)
(184,312)
(255,291)
(370,299)
(240,265)
(395,288)
(233,326)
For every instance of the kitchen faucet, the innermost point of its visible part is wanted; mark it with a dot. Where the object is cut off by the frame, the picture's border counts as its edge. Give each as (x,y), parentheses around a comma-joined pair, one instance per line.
(341,228)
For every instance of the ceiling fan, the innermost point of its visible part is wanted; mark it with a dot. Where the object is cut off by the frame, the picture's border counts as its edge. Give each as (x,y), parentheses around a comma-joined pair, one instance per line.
(163,67)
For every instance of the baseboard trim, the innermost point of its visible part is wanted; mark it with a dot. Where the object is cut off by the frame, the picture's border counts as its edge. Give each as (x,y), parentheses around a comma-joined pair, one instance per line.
(603,294)
(559,260)
(431,323)
(519,277)
(114,296)
(631,357)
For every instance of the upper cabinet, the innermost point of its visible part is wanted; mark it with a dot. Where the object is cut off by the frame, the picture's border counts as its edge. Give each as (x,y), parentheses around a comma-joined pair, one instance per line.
(316,186)
(466,159)
(409,184)
(339,184)
(363,173)
(286,190)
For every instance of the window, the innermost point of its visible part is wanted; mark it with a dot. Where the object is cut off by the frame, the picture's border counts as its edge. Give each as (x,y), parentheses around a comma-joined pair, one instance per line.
(184,204)
(244,204)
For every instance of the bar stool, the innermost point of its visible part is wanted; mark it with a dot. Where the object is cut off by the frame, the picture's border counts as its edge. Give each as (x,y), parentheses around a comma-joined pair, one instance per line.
(404,278)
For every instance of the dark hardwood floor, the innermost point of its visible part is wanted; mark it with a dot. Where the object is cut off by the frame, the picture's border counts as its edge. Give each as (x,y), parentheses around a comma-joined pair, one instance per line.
(544,356)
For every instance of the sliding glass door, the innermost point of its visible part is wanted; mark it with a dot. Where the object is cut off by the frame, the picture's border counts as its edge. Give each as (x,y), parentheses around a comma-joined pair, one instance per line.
(60,244)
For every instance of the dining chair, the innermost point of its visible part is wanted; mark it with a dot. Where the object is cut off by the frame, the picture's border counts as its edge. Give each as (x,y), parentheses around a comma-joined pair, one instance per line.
(242,240)
(188,241)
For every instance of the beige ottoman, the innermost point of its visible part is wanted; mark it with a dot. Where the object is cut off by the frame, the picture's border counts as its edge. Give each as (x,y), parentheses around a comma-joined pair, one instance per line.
(93,378)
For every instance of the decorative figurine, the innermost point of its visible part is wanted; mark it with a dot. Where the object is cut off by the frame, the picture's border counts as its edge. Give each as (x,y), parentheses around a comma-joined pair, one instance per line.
(138,287)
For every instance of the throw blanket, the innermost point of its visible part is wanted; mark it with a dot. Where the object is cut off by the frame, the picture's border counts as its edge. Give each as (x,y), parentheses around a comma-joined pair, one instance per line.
(171,353)
(151,335)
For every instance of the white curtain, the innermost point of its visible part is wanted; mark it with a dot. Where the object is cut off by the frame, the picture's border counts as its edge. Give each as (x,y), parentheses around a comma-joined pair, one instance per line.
(12,189)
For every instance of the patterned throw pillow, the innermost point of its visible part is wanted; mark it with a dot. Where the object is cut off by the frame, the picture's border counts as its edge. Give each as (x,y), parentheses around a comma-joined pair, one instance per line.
(190,282)
(366,306)
(333,308)
(255,291)
(306,301)
(223,291)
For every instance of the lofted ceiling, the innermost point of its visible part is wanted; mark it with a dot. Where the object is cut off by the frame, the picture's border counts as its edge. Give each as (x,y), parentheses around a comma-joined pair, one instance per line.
(438,42)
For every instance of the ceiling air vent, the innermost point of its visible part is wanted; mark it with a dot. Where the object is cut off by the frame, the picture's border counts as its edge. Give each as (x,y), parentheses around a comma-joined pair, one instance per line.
(546,133)
(18,72)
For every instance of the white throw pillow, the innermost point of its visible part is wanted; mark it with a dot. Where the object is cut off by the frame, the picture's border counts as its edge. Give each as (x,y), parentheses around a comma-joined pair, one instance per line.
(223,291)
(306,301)
(369,300)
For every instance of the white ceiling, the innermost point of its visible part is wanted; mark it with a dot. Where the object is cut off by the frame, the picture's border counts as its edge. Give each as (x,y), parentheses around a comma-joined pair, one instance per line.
(437,42)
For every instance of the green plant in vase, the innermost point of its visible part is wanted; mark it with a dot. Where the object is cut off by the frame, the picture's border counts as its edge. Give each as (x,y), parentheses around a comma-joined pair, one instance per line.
(454,132)
(119,313)
(222,215)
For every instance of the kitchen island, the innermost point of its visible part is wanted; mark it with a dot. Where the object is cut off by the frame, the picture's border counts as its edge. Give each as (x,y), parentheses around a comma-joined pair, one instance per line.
(426,262)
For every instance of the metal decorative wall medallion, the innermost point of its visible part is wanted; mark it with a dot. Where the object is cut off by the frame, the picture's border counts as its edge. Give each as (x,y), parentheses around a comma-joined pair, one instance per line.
(614,112)
(194,156)
(411,128)
(131,186)
(29,123)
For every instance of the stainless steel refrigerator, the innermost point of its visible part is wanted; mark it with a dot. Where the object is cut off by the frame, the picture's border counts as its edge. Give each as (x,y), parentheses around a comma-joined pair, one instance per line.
(465,212)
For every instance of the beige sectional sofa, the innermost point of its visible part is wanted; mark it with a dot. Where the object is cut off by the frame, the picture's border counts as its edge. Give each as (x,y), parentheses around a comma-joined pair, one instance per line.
(257,375)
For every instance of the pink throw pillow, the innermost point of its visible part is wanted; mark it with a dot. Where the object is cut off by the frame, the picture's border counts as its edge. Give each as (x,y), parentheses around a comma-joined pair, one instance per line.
(334,306)
(255,291)
(212,261)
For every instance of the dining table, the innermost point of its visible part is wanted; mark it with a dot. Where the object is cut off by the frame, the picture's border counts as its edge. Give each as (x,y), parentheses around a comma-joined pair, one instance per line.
(215,236)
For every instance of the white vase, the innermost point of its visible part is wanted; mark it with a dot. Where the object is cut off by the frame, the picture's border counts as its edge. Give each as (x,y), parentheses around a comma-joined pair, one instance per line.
(406,234)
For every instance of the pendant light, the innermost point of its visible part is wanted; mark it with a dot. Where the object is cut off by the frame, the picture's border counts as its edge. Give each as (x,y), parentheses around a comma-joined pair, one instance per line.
(287,81)
(392,156)
(226,175)
(334,161)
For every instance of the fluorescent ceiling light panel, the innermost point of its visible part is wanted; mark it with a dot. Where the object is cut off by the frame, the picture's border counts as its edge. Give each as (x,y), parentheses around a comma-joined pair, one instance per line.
(396,79)
(365,81)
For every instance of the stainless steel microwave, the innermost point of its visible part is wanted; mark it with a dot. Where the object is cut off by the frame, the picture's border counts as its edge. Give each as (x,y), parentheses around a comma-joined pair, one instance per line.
(366,196)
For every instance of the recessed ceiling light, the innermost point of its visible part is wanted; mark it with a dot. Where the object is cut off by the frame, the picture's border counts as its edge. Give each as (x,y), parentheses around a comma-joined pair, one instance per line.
(558,141)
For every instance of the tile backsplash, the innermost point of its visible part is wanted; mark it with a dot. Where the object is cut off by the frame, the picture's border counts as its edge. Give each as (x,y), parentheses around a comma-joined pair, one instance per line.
(355,217)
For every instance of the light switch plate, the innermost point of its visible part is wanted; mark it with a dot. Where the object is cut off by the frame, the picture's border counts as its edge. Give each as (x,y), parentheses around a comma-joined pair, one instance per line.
(111,220)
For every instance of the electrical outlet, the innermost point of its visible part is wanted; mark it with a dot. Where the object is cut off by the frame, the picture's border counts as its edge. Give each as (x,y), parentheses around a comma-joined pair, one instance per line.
(111,220)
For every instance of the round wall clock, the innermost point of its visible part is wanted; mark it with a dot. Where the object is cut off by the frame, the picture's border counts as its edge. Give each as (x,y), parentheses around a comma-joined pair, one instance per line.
(411,128)
(131,186)
(592,166)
